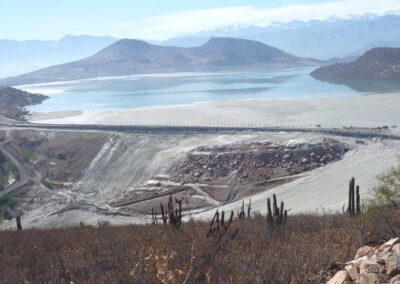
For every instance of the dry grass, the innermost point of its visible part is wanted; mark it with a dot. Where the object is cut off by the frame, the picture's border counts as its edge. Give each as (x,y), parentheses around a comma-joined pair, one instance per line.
(163,254)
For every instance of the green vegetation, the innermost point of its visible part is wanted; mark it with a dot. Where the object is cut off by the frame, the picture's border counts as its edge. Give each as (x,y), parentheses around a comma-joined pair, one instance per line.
(387,192)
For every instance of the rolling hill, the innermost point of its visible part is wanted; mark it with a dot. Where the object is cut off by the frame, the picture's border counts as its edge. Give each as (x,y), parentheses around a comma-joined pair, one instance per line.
(127,57)
(375,64)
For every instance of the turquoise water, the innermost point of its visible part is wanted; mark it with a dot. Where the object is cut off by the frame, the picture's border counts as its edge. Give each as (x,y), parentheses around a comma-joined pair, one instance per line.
(148,91)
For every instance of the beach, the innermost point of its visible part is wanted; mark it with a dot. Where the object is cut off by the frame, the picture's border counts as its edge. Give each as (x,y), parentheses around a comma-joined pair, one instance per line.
(375,110)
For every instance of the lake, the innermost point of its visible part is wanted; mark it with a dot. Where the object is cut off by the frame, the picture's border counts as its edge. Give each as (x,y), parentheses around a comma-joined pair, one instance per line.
(186,88)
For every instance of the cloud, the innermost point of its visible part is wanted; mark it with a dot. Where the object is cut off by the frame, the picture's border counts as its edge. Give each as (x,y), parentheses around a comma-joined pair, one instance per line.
(169,25)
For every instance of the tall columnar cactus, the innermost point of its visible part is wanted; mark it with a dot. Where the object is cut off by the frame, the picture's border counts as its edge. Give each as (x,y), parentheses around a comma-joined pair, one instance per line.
(241,213)
(276,217)
(170,215)
(163,214)
(19,226)
(358,204)
(154,217)
(218,226)
(354,202)
(270,218)
(249,208)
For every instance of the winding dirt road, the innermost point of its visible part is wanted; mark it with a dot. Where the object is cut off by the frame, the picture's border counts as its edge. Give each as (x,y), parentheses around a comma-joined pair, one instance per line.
(24,177)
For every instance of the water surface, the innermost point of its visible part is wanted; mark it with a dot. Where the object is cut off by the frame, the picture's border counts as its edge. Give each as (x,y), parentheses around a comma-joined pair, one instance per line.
(176,89)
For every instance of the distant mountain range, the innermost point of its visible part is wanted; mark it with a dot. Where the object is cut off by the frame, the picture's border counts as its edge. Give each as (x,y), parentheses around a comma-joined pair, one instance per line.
(17,57)
(375,64)
(127,57)
(335,40)
(334,37)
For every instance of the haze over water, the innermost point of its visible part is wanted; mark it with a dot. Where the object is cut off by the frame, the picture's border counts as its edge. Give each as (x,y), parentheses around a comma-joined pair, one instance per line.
(177,89)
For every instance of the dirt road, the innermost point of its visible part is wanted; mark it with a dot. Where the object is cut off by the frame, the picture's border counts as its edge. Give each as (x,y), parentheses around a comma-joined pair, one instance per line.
(24,177)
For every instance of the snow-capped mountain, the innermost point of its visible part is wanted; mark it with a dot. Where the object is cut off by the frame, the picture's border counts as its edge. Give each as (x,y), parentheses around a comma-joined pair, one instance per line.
(321,39)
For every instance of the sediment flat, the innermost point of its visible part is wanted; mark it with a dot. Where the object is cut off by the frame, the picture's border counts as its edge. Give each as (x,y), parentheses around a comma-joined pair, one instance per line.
(373,110)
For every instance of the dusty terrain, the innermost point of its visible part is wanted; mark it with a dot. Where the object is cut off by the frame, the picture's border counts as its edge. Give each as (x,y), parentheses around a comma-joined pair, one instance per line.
(74,176)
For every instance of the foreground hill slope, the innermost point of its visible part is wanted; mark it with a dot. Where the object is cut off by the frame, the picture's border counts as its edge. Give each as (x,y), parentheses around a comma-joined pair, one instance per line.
(375,64)
(127,57)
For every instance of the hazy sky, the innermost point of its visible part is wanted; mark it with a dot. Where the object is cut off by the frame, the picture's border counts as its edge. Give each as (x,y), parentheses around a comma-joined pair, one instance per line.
(161,19)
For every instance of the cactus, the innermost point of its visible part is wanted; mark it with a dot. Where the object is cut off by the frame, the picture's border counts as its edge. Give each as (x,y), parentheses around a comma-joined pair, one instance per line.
(249,208)
(269,215)
(154,217)
(277,216)
(241,214)
(354,202)
(19,226)
(172,215)
(358,205)
(281,212)
(218,226)
(163,214)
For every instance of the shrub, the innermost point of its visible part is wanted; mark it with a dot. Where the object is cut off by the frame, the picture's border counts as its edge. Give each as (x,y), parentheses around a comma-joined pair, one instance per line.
(387,192)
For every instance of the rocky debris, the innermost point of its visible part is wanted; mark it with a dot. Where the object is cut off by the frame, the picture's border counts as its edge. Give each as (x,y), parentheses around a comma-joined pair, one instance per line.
(256,162)
(376,265)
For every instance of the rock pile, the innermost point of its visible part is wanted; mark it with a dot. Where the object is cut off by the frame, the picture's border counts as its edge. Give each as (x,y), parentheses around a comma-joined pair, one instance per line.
(256,161)
(380,264)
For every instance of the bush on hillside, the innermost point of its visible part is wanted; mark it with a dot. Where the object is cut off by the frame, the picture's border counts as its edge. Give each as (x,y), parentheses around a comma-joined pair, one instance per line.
(387,192)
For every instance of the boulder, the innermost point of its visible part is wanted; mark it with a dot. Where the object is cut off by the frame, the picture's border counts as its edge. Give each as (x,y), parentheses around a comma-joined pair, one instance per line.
(390,243)
(340,278)
(371,267)
(357,262)
(371,278)
(363,251)
(393,265)
(395,280)
(352,272)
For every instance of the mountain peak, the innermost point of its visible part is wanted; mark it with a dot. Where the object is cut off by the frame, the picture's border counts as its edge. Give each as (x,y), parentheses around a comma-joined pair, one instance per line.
(128,57)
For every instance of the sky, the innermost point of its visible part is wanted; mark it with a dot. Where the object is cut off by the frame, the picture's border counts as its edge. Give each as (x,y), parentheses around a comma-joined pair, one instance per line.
(163,19)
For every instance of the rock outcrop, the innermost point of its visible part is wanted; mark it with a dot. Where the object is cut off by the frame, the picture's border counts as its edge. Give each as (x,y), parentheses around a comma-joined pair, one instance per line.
(375,265)
(375,64)
(13,101)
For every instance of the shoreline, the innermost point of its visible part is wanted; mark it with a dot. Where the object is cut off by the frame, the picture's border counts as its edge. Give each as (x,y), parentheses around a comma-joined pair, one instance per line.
(372,110)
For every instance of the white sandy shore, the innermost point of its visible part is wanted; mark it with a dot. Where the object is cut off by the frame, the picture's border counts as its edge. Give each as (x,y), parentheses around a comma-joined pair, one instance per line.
(361,111)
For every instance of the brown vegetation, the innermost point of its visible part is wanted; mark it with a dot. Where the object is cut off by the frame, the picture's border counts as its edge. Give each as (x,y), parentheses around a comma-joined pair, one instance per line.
(250,251)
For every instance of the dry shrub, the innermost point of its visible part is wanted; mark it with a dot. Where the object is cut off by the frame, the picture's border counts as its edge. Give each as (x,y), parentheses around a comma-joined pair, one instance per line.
(298,253)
